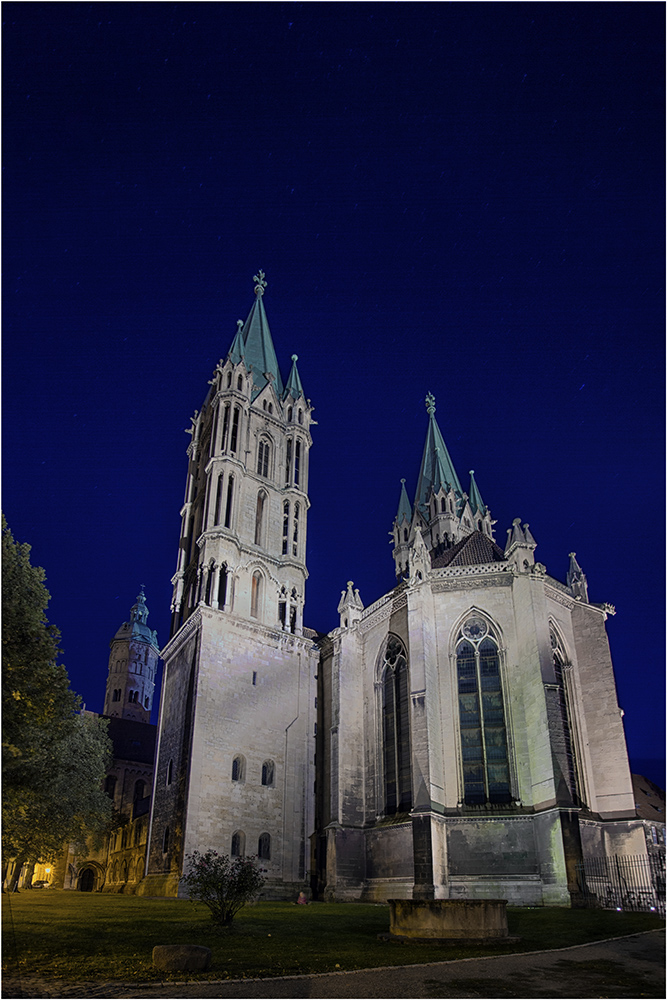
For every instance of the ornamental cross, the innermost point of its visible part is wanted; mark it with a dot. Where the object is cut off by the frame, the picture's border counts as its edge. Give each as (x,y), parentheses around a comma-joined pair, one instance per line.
(430,402)
(260,283)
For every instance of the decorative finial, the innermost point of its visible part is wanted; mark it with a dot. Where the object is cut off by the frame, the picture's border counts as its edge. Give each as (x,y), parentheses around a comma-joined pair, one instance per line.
(403,482)
(430,403)
(260,283)
(295,357)
(239,325)
(471,472)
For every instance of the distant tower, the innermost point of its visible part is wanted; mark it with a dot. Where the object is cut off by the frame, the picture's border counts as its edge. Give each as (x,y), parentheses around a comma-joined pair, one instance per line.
(133,664)
(235,768)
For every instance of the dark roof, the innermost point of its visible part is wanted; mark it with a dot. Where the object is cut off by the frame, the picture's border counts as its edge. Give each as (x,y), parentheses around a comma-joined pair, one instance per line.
(475,549)
(649,799)
(132,740)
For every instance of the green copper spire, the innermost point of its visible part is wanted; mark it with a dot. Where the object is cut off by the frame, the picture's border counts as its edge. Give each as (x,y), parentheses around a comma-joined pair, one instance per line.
(404,508)
(294,387)
(259,350)
(436,469)
(237,350)
(477,505)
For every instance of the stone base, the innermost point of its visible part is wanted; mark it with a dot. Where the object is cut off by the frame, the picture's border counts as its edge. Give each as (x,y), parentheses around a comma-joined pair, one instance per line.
(448,919)
(165,884)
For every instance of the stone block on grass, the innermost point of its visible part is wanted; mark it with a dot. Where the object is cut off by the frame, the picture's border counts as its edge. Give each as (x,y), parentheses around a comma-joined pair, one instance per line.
(181,957)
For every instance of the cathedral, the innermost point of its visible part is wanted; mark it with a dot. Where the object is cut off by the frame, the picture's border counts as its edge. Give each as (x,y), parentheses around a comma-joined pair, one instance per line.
(459,737)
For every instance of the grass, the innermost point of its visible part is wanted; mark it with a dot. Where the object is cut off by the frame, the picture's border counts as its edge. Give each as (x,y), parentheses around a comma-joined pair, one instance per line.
(77,936)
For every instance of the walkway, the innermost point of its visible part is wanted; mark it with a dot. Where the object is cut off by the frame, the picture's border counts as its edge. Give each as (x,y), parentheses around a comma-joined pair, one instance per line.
(631,967)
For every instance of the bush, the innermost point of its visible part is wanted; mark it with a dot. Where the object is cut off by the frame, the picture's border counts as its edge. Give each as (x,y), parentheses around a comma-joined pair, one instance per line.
(222,883)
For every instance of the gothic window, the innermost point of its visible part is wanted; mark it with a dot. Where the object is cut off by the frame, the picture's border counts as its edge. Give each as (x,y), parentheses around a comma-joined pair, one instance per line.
(264,847)
(443,506)
(146,702)
(238,844)
(209,584)
(267,773)
(222,586)
(229,379)
(300,415)
(564,752)
(215,432)
(234,438)
(228,505)
(110,786)
(484,757)
(239,383)
(263,453)
(405,534)
(225,427)
(255,594)
(295,534)
(238,768)
(289,414)
(259,515)
(396,729)
(288,463)
(297,462)
(285,526)
(282,607)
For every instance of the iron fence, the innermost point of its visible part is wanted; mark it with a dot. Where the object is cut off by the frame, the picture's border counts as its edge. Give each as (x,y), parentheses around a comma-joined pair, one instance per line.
(624,882)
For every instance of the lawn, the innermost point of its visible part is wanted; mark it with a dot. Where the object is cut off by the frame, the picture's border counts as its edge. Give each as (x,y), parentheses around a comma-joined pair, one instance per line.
(78,936)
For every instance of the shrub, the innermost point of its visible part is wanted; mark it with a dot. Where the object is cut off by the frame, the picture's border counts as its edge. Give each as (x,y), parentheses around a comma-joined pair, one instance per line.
(222,883)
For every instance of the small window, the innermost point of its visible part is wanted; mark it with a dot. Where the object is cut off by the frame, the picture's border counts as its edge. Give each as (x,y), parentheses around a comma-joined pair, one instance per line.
(238,768)
(229,379)
(289,414)
(300,416)
(165,840)
(254,678)
(264,847)
(139,790)
(255,594)
(267,773)
(170,770)
(238,844)
(239,383)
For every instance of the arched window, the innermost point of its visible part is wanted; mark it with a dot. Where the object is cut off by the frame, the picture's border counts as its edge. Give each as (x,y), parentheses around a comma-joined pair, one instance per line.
(238,844)
(297,461)
(267,773)
(285,526)
(214,432)
(229,379)
(562,747)
(209,584)
(264,847)
(123,872)
(396,729)
(263,453)
(139,790)
(239,383)
(255,594)
(234,438)
(110,785)
(443,506)
(289,414)
(288,462)
(228,505)
(295,533)
(218,500)
(222,586)
(259,515)
(225,426)
(300,415)
(484,756)
(146,700)
(238,768)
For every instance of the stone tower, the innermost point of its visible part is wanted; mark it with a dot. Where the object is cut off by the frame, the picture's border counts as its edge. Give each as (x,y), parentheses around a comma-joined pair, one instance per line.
(133,662)
(235,760)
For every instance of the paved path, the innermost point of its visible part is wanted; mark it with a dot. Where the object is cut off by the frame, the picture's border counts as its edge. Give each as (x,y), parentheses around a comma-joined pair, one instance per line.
(631,967)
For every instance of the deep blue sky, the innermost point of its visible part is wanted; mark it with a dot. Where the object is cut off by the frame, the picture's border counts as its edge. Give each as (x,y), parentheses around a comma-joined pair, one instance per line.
(458,198)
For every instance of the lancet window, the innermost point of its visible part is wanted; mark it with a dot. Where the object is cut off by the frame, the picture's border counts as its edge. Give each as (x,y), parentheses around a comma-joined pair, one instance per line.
(396,729)
(565,750)
(263,453)
(484,755)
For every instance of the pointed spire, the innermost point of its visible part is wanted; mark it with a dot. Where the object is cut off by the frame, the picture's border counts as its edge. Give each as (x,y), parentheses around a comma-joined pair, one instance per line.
(139,612)
(294,387)
(259,350)
(237,350)
(404,509)
(436,469)
(576,579)
(350,606)
(475,497)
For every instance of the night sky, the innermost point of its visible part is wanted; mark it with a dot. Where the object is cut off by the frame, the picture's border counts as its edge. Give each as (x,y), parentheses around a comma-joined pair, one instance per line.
(465,199)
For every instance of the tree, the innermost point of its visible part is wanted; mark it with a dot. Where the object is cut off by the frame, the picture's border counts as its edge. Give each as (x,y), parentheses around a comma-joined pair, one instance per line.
(222,883)
(53,760)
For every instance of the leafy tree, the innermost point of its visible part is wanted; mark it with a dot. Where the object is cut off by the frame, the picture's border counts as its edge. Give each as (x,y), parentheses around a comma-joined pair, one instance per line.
(222,883)
(53,760)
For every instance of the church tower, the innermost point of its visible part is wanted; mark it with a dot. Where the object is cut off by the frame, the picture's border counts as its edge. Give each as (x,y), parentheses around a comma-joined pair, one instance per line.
(133,662)
(235,767)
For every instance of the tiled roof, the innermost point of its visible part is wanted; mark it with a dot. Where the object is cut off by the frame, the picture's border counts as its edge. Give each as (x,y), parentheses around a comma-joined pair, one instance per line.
(475,549)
